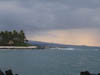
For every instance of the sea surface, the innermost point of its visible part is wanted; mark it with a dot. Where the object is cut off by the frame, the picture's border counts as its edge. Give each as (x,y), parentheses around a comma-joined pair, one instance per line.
(67,61)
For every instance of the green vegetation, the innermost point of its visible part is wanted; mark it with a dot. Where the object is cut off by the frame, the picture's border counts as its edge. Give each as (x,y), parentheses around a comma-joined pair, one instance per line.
(13,38)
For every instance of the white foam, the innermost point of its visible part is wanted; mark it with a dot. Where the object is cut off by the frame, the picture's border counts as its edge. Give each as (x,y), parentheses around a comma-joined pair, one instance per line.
(63,48)
(68,49)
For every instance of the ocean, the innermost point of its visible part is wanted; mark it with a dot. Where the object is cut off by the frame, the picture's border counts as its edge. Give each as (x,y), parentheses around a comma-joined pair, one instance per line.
(62,61)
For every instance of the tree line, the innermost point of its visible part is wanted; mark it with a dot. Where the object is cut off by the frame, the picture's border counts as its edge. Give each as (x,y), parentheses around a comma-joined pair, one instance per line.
(12,38)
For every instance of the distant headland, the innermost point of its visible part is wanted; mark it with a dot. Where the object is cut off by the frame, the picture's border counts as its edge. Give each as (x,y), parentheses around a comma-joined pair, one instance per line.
(15,40)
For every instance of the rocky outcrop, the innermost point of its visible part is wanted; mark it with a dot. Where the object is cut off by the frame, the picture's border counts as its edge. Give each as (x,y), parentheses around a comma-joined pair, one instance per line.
(7,72)
(87,73)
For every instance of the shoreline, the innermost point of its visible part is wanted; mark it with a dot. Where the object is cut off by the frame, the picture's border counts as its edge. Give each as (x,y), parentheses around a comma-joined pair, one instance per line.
(18,47)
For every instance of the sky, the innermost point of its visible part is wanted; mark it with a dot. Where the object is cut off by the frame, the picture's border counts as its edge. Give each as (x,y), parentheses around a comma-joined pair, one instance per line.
(75,22)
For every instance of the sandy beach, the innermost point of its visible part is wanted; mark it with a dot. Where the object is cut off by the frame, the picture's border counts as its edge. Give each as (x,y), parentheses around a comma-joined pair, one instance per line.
(18,47)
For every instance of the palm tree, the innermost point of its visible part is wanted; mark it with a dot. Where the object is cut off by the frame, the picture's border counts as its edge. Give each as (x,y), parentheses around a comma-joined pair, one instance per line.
(15,36)
(22,36)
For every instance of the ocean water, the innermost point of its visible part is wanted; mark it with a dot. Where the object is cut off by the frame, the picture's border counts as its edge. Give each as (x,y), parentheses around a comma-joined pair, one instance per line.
(50,61)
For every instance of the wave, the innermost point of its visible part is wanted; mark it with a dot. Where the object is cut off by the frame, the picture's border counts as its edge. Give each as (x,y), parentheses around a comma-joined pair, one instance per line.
(63,48)
(79,49)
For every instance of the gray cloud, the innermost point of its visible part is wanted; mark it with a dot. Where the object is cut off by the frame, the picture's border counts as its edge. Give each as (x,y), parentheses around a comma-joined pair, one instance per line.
(39,15)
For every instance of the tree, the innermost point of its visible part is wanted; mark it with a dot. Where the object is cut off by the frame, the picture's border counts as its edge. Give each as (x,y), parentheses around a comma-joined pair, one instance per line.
(12,37)
(22,36)
(15,36)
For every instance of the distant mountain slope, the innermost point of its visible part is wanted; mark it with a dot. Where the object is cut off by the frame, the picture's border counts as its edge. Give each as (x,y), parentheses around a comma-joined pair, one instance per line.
(46,44)
(38,43)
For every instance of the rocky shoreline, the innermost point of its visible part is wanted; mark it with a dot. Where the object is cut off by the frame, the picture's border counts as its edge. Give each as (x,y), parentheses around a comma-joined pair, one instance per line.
(87,73)
(7,72)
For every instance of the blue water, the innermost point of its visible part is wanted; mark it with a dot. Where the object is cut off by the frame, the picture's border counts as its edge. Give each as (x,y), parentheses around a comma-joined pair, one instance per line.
(50,62)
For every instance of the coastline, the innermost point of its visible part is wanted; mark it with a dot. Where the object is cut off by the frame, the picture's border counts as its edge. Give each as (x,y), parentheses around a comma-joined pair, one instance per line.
(18,47)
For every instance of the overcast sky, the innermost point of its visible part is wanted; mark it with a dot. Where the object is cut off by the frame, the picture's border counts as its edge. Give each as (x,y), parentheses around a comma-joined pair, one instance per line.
(59,21)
